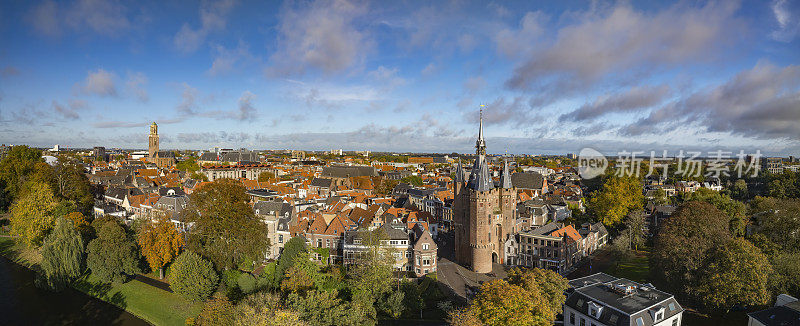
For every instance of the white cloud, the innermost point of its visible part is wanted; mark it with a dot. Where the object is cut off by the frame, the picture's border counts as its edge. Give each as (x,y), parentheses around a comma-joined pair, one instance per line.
(213,17)
(99,82)
(519,42)
(225,60)
(606,45)
(788,21)
(322,36)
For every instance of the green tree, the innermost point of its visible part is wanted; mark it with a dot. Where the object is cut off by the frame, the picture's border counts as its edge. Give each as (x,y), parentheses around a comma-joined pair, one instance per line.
(324,308)
(303,275)
(684,243)
(618,196)
(412,180)
(735,273)
(371,275)
(192,277)
(393,306)
(15,169)
(778,220)
(32,215)
(62,255)
(188,165)
(463,317)
(291,249)
(72,184)
(735,210)
(160,243)
(739,189)
(113,256)
(225,230)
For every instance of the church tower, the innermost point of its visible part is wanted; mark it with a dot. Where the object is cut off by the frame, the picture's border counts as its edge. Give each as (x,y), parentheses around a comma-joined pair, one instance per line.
(153,147)
(483,215)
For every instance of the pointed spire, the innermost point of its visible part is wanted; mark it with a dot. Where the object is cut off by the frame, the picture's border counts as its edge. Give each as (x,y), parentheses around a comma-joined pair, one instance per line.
(480,144)
(505,178)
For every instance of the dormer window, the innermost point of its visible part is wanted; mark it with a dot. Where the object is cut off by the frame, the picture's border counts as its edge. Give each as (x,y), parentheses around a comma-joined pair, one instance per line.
(595,310)
(657,314)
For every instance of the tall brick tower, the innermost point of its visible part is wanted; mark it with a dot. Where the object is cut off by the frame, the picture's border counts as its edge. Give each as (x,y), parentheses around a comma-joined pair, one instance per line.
(483,215)
(153,147)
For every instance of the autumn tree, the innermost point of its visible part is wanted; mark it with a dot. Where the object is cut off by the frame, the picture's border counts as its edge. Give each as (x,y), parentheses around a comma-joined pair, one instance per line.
(193,277)
(265,309)
(617,197)
(303,275)
(291,249)
(62,255)
(735,273)
(218,311)
(225,228)
(32,215)
(684,243)
(15,169)
(81,224)
(160,242)
(545,287)
(500,303)
(463,317)
(112,256)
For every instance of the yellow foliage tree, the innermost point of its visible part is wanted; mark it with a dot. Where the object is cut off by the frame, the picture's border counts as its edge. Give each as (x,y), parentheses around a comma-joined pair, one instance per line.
(160,242)
(500,303)
(32,214)
(80,223)
(618,196)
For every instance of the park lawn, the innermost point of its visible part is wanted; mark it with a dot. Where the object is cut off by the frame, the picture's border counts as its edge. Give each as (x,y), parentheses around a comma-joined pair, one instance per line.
(635,268)
(152,304)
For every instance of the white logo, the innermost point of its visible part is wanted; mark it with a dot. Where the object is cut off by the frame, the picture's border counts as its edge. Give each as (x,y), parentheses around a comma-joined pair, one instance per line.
(591,163)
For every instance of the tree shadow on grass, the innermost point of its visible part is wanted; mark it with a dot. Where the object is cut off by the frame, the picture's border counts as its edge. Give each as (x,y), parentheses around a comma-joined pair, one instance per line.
(101,290)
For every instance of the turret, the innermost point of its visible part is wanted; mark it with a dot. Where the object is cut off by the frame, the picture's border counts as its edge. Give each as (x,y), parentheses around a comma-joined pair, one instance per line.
(505,178)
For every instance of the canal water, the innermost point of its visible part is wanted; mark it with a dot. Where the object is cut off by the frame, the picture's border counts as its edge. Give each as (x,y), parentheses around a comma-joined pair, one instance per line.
(22,303)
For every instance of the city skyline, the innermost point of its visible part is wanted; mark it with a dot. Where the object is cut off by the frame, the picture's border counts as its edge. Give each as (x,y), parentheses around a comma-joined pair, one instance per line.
(403,77)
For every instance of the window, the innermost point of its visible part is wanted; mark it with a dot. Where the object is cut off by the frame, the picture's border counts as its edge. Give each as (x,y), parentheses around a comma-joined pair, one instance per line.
(675,322)
(583,322)
(319,243)
(572,318)
(280,238)
(671,306)
(424,246)
(639,321)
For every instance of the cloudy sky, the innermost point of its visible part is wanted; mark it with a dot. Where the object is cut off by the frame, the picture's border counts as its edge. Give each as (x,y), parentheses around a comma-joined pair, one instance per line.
(555,76)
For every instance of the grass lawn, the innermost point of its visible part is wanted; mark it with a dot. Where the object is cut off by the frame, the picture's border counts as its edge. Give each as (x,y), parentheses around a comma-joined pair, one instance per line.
(634,268)
(157,306)
(152,304)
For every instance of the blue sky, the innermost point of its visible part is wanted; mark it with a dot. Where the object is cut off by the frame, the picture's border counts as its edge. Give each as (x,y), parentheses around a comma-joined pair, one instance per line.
(555,76)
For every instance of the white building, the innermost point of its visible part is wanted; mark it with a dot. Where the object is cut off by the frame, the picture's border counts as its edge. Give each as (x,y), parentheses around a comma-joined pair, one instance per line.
(605,300)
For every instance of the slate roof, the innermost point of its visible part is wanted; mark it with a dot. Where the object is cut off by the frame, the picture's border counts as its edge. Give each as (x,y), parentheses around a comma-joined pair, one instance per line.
(527,180)
(626,307)
(780,315)
(321,182)
(348,171)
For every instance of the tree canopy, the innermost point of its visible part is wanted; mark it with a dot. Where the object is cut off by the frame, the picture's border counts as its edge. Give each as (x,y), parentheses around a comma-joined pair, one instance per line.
(112,257)
(32,214)
(736,273)
(734,209)
(193,277)
(62,255)
(225,230)
(15,169)
(160,242)
(683,245)
(617,197)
